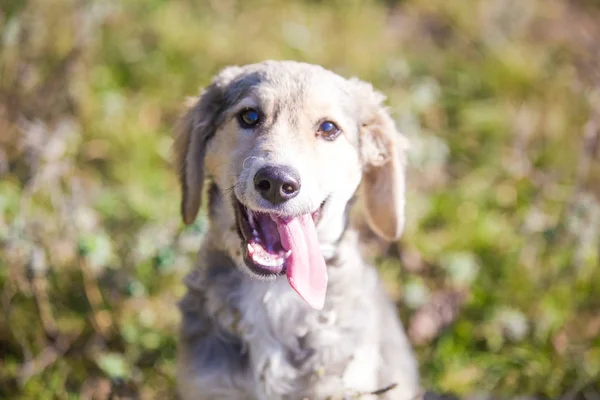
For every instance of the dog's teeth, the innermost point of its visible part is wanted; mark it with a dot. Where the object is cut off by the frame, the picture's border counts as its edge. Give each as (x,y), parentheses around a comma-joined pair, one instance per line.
(265,261)
(250,249)
(251,220)
(288,253)
(273,262)
(255,234)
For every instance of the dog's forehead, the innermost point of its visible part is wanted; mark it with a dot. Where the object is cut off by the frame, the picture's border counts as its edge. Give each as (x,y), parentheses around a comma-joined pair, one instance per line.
(291,86)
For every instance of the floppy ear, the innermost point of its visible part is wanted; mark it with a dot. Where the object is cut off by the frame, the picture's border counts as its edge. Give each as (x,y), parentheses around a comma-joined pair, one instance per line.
(193,132)
(383,154)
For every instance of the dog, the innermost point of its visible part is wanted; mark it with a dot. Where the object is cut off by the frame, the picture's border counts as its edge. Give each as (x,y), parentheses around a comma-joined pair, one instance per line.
(281,304)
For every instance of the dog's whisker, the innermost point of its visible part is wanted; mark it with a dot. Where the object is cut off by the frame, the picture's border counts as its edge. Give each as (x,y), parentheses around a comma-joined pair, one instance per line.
(246,159)
(226,192)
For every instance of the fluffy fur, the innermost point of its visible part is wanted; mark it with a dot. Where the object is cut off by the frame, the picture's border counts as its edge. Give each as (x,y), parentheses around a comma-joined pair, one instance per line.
(243,337)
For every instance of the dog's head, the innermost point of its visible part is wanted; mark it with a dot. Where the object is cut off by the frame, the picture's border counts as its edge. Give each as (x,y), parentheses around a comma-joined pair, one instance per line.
(286,145)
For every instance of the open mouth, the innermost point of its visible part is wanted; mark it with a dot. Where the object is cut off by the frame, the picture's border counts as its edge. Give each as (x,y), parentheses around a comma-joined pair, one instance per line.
(264,253)
(275,245)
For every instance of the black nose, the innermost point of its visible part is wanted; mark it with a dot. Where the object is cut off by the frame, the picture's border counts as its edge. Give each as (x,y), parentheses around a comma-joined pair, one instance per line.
(277,183)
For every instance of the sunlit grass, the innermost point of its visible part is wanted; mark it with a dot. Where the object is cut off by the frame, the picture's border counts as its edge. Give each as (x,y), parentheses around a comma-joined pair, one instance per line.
(497,98)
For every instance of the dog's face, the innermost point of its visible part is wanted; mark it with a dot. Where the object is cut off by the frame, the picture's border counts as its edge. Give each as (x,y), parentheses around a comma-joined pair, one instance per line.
(286,146)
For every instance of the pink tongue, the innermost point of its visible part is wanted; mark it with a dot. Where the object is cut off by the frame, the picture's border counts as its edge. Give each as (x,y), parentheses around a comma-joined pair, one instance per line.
(306,269)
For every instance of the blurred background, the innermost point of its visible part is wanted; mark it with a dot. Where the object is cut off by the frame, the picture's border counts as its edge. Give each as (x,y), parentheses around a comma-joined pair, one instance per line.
(497,277)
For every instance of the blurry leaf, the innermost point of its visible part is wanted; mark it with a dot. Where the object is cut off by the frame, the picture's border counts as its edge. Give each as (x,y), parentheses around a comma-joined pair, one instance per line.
(507,324)
(164,259)
(114,365)
(97,249)
(461,378)
(151,340)
(415,293)
(9,197)
(130,332)
(437,314)
(514,323)
(136,289)
(425,93)
(462,267)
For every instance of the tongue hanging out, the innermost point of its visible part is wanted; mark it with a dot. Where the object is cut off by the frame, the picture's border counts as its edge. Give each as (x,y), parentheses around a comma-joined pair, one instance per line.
(306,269)
(275,244)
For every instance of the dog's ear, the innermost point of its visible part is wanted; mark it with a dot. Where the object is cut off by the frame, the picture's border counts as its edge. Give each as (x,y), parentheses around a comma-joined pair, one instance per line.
(383,154)
(193,131)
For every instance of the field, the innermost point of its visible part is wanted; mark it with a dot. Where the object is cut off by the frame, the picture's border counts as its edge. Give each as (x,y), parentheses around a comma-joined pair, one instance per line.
(497,277)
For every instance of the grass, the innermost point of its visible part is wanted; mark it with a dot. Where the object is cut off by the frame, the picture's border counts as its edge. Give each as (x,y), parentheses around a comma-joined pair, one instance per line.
(500,100)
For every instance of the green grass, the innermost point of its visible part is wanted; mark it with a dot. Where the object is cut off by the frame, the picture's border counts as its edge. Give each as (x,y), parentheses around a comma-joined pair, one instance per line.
(500,100)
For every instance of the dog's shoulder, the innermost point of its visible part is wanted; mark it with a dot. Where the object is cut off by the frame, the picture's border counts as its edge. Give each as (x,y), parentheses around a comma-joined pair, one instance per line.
(213,292)
(212,358)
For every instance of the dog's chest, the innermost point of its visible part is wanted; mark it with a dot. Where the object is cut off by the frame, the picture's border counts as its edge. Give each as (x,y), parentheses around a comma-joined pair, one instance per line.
(292,348)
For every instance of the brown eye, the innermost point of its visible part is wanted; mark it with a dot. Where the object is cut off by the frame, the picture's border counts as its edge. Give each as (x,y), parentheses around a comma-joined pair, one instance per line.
(328,130)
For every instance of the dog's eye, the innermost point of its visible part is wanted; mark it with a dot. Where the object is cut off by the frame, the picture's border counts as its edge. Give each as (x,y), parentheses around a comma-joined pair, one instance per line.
(328,130)
(249,118)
